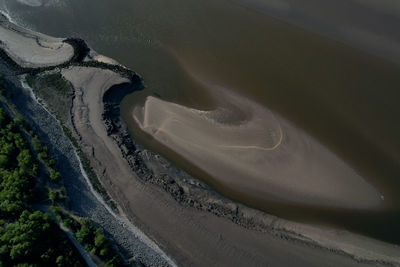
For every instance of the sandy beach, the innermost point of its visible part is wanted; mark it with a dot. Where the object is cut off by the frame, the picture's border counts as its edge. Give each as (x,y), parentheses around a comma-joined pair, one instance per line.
(188,236)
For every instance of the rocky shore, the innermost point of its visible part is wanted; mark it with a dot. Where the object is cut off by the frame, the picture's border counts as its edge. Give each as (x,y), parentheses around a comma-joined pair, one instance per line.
(188,220)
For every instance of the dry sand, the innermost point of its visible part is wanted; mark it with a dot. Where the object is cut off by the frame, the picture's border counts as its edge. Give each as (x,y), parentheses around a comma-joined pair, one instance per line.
(252,150)
(31,49)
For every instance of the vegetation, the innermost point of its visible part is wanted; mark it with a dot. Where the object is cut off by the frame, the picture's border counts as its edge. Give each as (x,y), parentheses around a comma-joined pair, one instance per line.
(27,237)
(57,93)
(3,85)
(91,237)
(34,239)
(30,237)
(52,86)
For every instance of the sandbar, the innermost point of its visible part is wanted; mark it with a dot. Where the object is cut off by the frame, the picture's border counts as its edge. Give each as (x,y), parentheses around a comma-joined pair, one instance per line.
(252,150)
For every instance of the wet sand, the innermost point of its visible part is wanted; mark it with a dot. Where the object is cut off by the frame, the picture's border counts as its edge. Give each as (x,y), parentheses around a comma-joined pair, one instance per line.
(30,49)
(253,151)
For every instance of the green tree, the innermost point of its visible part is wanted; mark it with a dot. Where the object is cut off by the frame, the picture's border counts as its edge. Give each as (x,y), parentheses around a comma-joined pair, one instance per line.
(37,145)
(22,239)
(84,234)
(54,175)
(52,195)
(4,161)
(99,239)
(3,118)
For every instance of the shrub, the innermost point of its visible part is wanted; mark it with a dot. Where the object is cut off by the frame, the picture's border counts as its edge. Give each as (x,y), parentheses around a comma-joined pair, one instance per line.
(54,175)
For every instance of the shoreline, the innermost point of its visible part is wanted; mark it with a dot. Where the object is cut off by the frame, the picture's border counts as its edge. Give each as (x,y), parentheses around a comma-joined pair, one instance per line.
(182,187)
(261,154)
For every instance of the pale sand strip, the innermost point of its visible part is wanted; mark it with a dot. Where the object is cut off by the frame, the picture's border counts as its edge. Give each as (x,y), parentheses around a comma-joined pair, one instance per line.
(32,49)
(261,154)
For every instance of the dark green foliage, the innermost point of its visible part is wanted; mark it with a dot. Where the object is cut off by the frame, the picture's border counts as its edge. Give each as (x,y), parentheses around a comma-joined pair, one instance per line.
(66,219)
(3,85)
(97,243)
(35,239)
(84,235)
(54,175)
(114,262)
(37,145)
(27,237)
(91,237)
(18,169)
(3,118)
(4,161)
(52,195)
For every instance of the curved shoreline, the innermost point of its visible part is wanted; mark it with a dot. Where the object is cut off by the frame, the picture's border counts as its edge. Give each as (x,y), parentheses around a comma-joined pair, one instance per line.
(191,193)
(264,156)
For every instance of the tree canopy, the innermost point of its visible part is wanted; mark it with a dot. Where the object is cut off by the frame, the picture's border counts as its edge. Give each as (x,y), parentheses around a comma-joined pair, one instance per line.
(27,237)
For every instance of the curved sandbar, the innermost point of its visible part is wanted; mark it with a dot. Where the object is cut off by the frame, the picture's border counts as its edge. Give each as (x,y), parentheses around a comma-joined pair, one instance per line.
(251,150)
(31,49)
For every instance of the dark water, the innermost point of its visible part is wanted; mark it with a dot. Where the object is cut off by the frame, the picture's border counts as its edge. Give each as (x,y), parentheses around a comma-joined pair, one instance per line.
(344,97)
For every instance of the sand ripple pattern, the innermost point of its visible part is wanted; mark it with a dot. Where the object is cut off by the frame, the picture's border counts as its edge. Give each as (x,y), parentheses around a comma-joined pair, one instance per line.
(251,150)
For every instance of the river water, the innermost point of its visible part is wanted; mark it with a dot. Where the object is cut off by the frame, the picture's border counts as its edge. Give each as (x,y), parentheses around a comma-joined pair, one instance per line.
(331,69)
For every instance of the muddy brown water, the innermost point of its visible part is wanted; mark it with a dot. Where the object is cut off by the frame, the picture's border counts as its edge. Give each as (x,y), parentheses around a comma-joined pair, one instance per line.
(344,97)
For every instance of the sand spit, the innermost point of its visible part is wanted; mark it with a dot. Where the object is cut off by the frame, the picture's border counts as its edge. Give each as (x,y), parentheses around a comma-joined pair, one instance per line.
(190,222)
(247,147)
(31,49)
(90,85)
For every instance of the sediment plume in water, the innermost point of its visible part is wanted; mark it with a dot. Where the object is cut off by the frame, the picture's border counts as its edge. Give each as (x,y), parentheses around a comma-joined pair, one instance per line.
(251,150)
